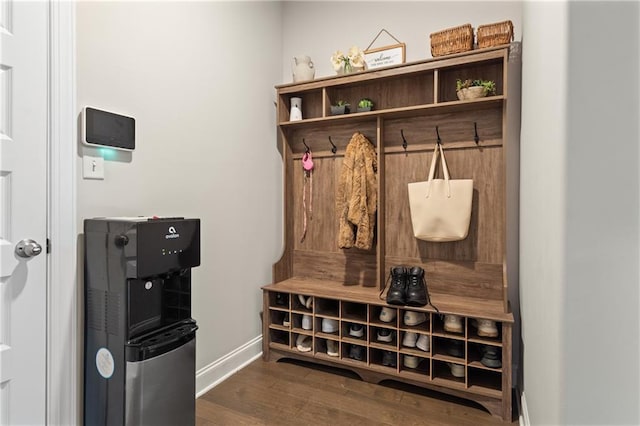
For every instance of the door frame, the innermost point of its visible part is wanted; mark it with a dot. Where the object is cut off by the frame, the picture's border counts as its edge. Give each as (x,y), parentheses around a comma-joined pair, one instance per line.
(64,321)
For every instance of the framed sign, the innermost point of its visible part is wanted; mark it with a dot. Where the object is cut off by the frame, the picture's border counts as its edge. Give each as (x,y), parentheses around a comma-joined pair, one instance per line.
(385,56)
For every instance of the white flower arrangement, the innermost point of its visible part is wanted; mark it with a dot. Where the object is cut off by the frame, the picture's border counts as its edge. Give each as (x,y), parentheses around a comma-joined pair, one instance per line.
(346,63)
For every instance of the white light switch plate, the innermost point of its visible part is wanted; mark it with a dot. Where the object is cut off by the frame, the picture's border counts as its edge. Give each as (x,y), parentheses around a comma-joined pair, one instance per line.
(92,167)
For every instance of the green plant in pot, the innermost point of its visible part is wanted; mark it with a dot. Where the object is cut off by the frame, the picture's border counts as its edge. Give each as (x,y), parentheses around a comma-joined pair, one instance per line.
(365,104)
(473,89)
(340,107)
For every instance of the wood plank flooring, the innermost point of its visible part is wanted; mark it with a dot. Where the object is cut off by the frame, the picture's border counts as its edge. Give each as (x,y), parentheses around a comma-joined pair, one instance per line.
(299,393)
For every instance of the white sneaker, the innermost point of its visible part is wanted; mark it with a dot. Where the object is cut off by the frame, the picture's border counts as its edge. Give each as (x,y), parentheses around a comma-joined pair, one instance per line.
(385,335)
(453,323)
(307,322)
(303,343)
(411,361)
(457,370)
(329,325)
(356,330)
(388,314)
(409,339)
(414,318)
(486,328)
(423,342)
(332,348)
(306,301)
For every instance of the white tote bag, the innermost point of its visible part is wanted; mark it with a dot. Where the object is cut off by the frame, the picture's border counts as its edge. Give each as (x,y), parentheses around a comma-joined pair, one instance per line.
(441,208)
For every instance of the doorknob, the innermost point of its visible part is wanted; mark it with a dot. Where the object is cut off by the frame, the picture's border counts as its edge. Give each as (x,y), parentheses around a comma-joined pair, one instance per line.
(28,248)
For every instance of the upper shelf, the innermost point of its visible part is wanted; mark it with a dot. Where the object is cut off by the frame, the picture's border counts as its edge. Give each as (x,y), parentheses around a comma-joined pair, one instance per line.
(413,111)
(466,58)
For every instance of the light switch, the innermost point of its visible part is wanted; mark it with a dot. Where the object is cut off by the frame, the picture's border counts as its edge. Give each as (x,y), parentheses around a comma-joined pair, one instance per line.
(92,167)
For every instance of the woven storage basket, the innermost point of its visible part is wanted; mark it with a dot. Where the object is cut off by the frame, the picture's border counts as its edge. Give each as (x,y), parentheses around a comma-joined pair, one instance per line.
(495,34)
(452,40)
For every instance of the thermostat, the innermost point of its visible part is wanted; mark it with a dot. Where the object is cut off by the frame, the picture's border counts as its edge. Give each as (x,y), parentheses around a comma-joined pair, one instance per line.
(108,129)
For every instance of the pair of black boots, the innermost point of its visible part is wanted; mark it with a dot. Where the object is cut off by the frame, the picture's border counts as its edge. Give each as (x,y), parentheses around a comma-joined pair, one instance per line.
(408,287)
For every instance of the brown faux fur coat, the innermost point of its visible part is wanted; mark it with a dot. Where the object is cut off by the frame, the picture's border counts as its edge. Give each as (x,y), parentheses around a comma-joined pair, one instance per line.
(357,197)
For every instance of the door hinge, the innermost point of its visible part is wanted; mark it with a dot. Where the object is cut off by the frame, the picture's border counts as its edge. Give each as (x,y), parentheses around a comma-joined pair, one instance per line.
(48,246)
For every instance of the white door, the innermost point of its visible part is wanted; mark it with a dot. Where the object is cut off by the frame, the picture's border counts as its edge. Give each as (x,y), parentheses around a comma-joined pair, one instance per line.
(23,204)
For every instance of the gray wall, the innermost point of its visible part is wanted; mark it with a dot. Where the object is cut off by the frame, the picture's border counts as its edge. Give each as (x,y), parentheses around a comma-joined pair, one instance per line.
(579,212)
(199,79)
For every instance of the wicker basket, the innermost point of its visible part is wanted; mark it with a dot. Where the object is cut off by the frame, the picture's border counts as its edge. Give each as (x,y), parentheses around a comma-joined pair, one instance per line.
(495,34)
(452,40)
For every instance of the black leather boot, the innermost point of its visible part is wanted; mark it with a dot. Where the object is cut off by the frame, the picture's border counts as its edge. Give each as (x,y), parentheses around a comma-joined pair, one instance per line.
(416,287)
(397,294)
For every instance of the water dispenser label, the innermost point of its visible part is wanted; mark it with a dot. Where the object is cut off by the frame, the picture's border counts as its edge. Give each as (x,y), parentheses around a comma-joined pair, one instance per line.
(105,363)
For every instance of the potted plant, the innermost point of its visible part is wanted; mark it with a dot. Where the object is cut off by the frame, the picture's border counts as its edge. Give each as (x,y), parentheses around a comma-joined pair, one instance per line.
(340,107)
(472,89)
(364,105)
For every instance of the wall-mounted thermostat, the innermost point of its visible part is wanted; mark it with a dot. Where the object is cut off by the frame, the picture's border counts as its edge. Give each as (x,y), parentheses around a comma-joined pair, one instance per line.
(104,128)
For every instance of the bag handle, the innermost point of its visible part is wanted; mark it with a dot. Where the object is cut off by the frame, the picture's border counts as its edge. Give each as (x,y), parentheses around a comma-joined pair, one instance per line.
(432,169)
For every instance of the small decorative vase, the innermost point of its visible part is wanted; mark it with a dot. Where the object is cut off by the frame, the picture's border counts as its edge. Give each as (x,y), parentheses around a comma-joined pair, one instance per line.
(295,113)
(302,69)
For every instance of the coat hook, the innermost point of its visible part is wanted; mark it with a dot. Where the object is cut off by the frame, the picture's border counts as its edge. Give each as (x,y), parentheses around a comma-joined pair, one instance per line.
(439,141)
(404,141)
(334,149)
(306,146)
(475,129)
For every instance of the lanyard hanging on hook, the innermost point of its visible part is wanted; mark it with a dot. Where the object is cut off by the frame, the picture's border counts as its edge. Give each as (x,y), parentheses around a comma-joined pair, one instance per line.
(307,170)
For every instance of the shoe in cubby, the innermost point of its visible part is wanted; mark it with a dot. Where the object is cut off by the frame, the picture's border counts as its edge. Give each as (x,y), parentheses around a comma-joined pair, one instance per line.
(385,335)
(423,342)
(388,314)
(357,352)
(390,359)
(455,348)
(485,327)
(457,370)
(302,302)
(303,343)
(357,331)
(332,348)
(409,339)
(307,322)
(412,318)
(410,361)
(330,326)
(287,320)
(490,356)
(453,323)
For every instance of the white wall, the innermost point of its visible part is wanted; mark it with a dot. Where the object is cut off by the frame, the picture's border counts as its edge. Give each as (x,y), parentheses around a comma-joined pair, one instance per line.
(198,77)
(542,206)
(319,28)
(579,212)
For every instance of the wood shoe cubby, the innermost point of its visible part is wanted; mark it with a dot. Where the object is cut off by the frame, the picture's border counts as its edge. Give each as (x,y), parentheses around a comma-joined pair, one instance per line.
(466,278)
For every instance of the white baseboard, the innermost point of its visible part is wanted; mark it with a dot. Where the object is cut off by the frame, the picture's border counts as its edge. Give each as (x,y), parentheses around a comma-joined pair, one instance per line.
(218,371)
(524,413)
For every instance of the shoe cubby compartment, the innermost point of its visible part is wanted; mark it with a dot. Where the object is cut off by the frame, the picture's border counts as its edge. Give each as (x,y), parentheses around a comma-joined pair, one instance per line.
(278,300)
(474,334)
(303,343)
(354,332)
(327,327)
(484,381)
(383,358)
(476,355)
(449,373)
(327,307)
(277,319)
(414,364)
(383,316)
(301,322)
(414,321)
(354,352)
(385,338)
(409,344)
(354,312)
(439,328)
(279,338)
(299,303)
(449,350)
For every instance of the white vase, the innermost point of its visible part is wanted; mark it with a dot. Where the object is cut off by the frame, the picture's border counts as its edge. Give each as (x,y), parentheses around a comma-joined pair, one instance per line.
(295,113)
(302,69)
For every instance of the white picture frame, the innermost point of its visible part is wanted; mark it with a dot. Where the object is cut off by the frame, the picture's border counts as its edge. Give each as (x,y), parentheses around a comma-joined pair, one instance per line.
(385,56)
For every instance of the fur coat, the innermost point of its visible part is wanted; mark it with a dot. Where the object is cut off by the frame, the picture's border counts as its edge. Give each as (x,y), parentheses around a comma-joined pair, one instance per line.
(357,195)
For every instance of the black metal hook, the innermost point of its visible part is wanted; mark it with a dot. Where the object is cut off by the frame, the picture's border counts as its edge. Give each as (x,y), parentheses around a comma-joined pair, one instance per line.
(439,141)
(475,130)
(306,146)
(334,149)
(404,141)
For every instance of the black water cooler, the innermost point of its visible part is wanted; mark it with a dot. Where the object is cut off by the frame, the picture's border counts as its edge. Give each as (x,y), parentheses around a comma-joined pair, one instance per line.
(140,340)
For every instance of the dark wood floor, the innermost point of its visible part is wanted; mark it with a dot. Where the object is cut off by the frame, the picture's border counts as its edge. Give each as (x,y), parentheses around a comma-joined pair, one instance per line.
(297,393)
